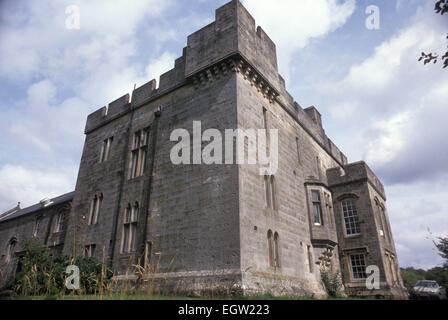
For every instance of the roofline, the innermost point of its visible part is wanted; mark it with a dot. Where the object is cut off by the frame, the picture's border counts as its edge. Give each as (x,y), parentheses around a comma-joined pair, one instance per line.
(69,196)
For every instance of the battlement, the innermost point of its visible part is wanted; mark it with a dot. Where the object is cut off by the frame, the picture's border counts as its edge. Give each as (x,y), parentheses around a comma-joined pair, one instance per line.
(233,32)
(355,172)
(114,109)
(232,42)
(140,96)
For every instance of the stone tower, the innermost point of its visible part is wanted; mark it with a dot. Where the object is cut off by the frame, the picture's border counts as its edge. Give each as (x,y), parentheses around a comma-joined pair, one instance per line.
(224,226)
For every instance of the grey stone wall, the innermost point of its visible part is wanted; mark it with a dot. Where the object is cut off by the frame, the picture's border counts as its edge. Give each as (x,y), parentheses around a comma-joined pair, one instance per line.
(22,228)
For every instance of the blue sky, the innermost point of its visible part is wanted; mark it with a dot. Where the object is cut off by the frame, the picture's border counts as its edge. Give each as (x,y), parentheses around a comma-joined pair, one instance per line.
(377,102)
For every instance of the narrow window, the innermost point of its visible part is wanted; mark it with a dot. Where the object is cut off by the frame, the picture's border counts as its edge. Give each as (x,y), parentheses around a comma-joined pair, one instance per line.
(265,118)
(148,253)
(134,164)
(358,266)
(108,144)
(273,193)
(134,222)
(139,153)
(381,220)
(267,186)
(11,250)
(298,150)
(351,219)
(93,206)
(317,208)
(99,203)
(310,259)
(271,248)
(276,250)
(105,150)
(129,243)
(60,225)
(36,227)
(89,251)
(126,228)
(386,224)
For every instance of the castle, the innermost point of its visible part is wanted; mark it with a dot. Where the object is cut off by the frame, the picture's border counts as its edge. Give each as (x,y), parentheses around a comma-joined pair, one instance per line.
(202,227)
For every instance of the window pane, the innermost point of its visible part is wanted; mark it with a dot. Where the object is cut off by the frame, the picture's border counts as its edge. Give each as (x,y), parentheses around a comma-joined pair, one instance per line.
(350,217)
(316,209)
(358,266)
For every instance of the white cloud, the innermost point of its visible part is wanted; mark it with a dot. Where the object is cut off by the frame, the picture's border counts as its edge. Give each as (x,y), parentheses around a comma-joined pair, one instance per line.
(66,74)
(28,186)
(396,108)
(159,66)
(292,28)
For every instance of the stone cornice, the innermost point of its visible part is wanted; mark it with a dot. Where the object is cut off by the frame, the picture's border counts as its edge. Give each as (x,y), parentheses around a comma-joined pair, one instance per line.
(235,63)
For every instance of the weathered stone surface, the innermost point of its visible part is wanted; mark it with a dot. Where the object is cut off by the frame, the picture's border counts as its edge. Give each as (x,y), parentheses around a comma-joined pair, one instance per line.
(205,227)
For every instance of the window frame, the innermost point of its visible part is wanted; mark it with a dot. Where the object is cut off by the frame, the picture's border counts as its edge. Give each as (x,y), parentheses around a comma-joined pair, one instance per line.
(363,267)
(10,252)
(130,228)
(139,153)
(60,223)
(319,206)
(356,217)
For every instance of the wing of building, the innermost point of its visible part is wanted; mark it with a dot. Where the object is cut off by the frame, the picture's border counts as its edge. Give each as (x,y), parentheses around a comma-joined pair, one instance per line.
(219,226)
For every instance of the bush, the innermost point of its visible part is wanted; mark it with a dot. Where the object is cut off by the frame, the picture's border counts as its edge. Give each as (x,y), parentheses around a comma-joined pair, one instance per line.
(332,282)
(40,273)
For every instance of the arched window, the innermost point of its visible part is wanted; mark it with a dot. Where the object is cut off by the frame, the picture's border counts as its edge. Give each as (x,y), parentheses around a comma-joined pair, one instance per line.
(270,190)
(351,219)
(95,208)
(271,249)
(11,250)
(276,250)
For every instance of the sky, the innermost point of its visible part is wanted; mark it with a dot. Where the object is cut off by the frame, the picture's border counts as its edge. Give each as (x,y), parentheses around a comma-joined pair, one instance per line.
(378,103)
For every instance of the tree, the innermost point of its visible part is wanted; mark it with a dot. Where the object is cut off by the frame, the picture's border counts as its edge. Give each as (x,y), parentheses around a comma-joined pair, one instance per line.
(442,246)
(441,7)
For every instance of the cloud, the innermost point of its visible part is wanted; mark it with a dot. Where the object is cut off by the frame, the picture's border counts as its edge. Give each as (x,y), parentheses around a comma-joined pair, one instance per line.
(417,219)
(396,109)
(59,76)
(292,29)
(160,65)
(405,102)
(30,185)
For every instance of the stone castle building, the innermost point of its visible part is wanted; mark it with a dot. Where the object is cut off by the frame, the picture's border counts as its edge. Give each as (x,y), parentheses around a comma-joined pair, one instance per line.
(200,227)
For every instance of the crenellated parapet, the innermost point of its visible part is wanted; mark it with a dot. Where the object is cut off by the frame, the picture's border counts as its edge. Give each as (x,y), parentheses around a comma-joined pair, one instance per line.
(233,32)
(114,110)
(355,172)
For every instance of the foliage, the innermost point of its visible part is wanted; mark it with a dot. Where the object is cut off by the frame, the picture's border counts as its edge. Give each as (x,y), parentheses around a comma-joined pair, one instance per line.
(411,276)
(332,282)
(41,273)
(442,8)
(442,246)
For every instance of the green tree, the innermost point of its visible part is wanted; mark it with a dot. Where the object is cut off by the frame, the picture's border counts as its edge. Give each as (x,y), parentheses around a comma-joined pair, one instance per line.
(442,246)
(441,7)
